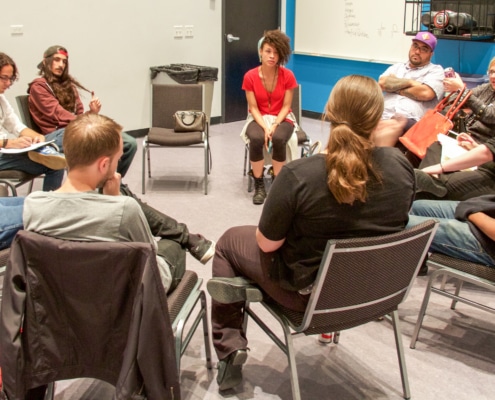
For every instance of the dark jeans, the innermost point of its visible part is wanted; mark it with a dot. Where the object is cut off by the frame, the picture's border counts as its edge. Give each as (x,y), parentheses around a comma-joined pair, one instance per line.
(174,237)
(21,162)
(280,137)
(237,254)
(130,148)
(460,185)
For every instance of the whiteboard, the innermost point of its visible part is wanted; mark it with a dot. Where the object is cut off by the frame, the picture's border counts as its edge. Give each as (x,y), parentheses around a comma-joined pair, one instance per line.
(362,30)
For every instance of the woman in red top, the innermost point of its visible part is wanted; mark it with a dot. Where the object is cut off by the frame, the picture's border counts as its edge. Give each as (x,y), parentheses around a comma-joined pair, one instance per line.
(270,122)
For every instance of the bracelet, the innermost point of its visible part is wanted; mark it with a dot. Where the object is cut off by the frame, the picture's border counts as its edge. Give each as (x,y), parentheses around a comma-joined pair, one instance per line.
(5,141)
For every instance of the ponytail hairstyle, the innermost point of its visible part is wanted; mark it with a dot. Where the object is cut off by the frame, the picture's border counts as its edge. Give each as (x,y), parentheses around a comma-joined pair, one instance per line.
(354,109)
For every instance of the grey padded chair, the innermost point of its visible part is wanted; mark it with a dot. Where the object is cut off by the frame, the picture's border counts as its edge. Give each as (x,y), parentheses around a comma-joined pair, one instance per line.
(166,99)
(359,281)
(462,271)
(181,305)
(303,140)
(23,106)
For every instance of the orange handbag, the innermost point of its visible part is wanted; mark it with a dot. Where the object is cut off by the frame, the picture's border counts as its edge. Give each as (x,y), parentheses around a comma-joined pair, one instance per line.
(424,132)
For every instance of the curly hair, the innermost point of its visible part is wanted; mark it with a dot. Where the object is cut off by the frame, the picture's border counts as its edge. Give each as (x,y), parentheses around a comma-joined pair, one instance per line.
(354,109)
(280,41)
(6,60)
(64,87)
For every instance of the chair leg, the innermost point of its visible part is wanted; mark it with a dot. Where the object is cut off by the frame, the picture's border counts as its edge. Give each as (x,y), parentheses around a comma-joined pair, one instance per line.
(206,330)
(206,167)
(148,151)
(286,347)
(246,150)
(294,379)
(11,186)
(143,174)
(50,391)
(422,311)
(400,354)
(30,189)
(458,288)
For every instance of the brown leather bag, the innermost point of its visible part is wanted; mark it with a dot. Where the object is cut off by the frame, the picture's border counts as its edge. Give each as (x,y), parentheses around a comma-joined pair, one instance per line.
(189,121)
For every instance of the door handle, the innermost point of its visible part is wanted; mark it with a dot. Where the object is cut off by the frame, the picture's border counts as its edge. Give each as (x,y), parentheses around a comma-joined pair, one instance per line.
(231,38)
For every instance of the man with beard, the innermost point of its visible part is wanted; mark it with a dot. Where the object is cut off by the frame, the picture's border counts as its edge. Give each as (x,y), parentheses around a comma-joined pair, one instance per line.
(93,146)
(410,89)
(54,101)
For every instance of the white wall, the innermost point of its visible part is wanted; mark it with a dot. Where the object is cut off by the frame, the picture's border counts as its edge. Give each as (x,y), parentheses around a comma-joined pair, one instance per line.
(112,44)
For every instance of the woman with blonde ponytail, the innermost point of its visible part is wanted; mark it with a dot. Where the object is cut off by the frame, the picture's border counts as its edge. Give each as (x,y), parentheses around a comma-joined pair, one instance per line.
(353,189)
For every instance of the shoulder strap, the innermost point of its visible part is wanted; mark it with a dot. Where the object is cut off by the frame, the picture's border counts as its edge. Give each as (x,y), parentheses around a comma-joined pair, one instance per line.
(459,102)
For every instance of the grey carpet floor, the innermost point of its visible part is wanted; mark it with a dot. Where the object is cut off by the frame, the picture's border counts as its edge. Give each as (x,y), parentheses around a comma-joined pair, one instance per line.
(454,357)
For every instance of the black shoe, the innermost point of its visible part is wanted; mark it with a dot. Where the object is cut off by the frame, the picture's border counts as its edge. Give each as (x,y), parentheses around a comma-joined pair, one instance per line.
(259,190)
(233,290)
(203,250)
(426,183)
(230,369)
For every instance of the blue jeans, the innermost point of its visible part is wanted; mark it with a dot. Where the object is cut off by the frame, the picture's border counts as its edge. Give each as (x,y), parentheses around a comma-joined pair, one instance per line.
(452,238)
(10,219)
(130,148)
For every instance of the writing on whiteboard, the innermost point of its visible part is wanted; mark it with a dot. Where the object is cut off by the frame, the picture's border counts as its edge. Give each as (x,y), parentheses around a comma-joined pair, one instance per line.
(351,22)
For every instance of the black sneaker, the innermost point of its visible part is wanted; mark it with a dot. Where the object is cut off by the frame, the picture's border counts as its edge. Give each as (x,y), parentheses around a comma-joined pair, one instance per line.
(427,183)
(230,369)
(233,290)
(203,250)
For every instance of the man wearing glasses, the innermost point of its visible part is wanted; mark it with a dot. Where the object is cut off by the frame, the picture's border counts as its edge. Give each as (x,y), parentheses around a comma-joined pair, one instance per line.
(410,89)
(14,135)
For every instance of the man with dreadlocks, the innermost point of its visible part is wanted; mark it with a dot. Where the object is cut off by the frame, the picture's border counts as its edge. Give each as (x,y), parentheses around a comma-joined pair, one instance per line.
(54,101)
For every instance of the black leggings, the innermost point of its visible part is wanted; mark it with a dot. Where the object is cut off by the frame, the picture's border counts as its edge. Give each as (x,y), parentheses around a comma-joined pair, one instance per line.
(280,137)
(460,185)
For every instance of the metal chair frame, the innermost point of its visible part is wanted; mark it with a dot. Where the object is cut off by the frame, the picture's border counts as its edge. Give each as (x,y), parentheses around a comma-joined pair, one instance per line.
(462,271)
(338,301)
(192,98)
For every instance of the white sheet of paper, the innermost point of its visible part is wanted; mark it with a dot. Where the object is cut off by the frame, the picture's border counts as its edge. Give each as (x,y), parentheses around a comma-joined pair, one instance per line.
(450,149)
(25,149)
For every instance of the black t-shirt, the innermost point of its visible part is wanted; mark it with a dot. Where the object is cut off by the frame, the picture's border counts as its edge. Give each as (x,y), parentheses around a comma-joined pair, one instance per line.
(301,209)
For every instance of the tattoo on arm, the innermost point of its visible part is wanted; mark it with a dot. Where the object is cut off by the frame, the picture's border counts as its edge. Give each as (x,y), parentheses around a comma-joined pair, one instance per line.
(406,93)
(394,84)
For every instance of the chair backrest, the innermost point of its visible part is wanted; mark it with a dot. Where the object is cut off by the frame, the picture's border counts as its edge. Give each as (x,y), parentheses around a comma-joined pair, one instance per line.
(27,119)
(82,308)
(361,279)
(169,98)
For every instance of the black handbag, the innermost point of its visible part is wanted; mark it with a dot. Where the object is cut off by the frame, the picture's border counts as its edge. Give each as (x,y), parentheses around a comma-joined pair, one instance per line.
(189,121)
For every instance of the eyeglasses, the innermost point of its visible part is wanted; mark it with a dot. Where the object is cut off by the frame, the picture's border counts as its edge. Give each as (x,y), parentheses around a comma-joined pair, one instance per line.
(491,72)
(7,78)
(422,49)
